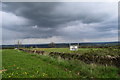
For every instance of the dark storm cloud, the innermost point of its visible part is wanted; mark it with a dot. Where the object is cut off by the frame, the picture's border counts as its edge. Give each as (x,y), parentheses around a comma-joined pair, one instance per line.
(68,20)
(38,13)
(47,15)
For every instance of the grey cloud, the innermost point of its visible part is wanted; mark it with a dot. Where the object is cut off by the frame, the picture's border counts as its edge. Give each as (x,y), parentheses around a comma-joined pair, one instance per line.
(52,18)
(50,15)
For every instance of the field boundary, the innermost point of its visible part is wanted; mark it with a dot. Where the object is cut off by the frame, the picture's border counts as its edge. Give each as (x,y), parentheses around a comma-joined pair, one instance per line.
(104,60)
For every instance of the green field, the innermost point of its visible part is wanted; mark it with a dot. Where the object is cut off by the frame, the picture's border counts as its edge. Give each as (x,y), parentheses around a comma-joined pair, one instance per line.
(24,65)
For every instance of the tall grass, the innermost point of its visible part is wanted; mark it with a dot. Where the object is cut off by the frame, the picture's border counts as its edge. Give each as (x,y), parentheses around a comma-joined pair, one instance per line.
(24,65)
(82,69)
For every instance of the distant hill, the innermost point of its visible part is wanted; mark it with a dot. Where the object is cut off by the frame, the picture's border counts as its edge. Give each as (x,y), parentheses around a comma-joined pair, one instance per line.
(62,45)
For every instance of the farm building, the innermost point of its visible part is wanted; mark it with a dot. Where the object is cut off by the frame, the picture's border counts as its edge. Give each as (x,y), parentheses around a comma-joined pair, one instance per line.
(74,47)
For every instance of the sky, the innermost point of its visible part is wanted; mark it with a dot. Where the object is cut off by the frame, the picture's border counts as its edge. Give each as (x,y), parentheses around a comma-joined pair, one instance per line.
(59,22)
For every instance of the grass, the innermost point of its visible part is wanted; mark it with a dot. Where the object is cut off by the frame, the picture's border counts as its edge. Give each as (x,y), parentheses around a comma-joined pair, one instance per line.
(66,50)
(82,69)
(23,65)
(0,63)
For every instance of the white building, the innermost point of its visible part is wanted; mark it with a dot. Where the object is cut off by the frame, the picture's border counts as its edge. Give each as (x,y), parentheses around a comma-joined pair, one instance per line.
(73,47)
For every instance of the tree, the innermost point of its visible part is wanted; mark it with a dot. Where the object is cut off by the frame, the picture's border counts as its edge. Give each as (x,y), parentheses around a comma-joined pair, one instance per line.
(52,45)
(19,44)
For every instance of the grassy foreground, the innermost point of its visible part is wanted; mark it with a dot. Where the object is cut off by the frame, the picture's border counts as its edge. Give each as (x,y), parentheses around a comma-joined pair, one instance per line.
(24,65)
